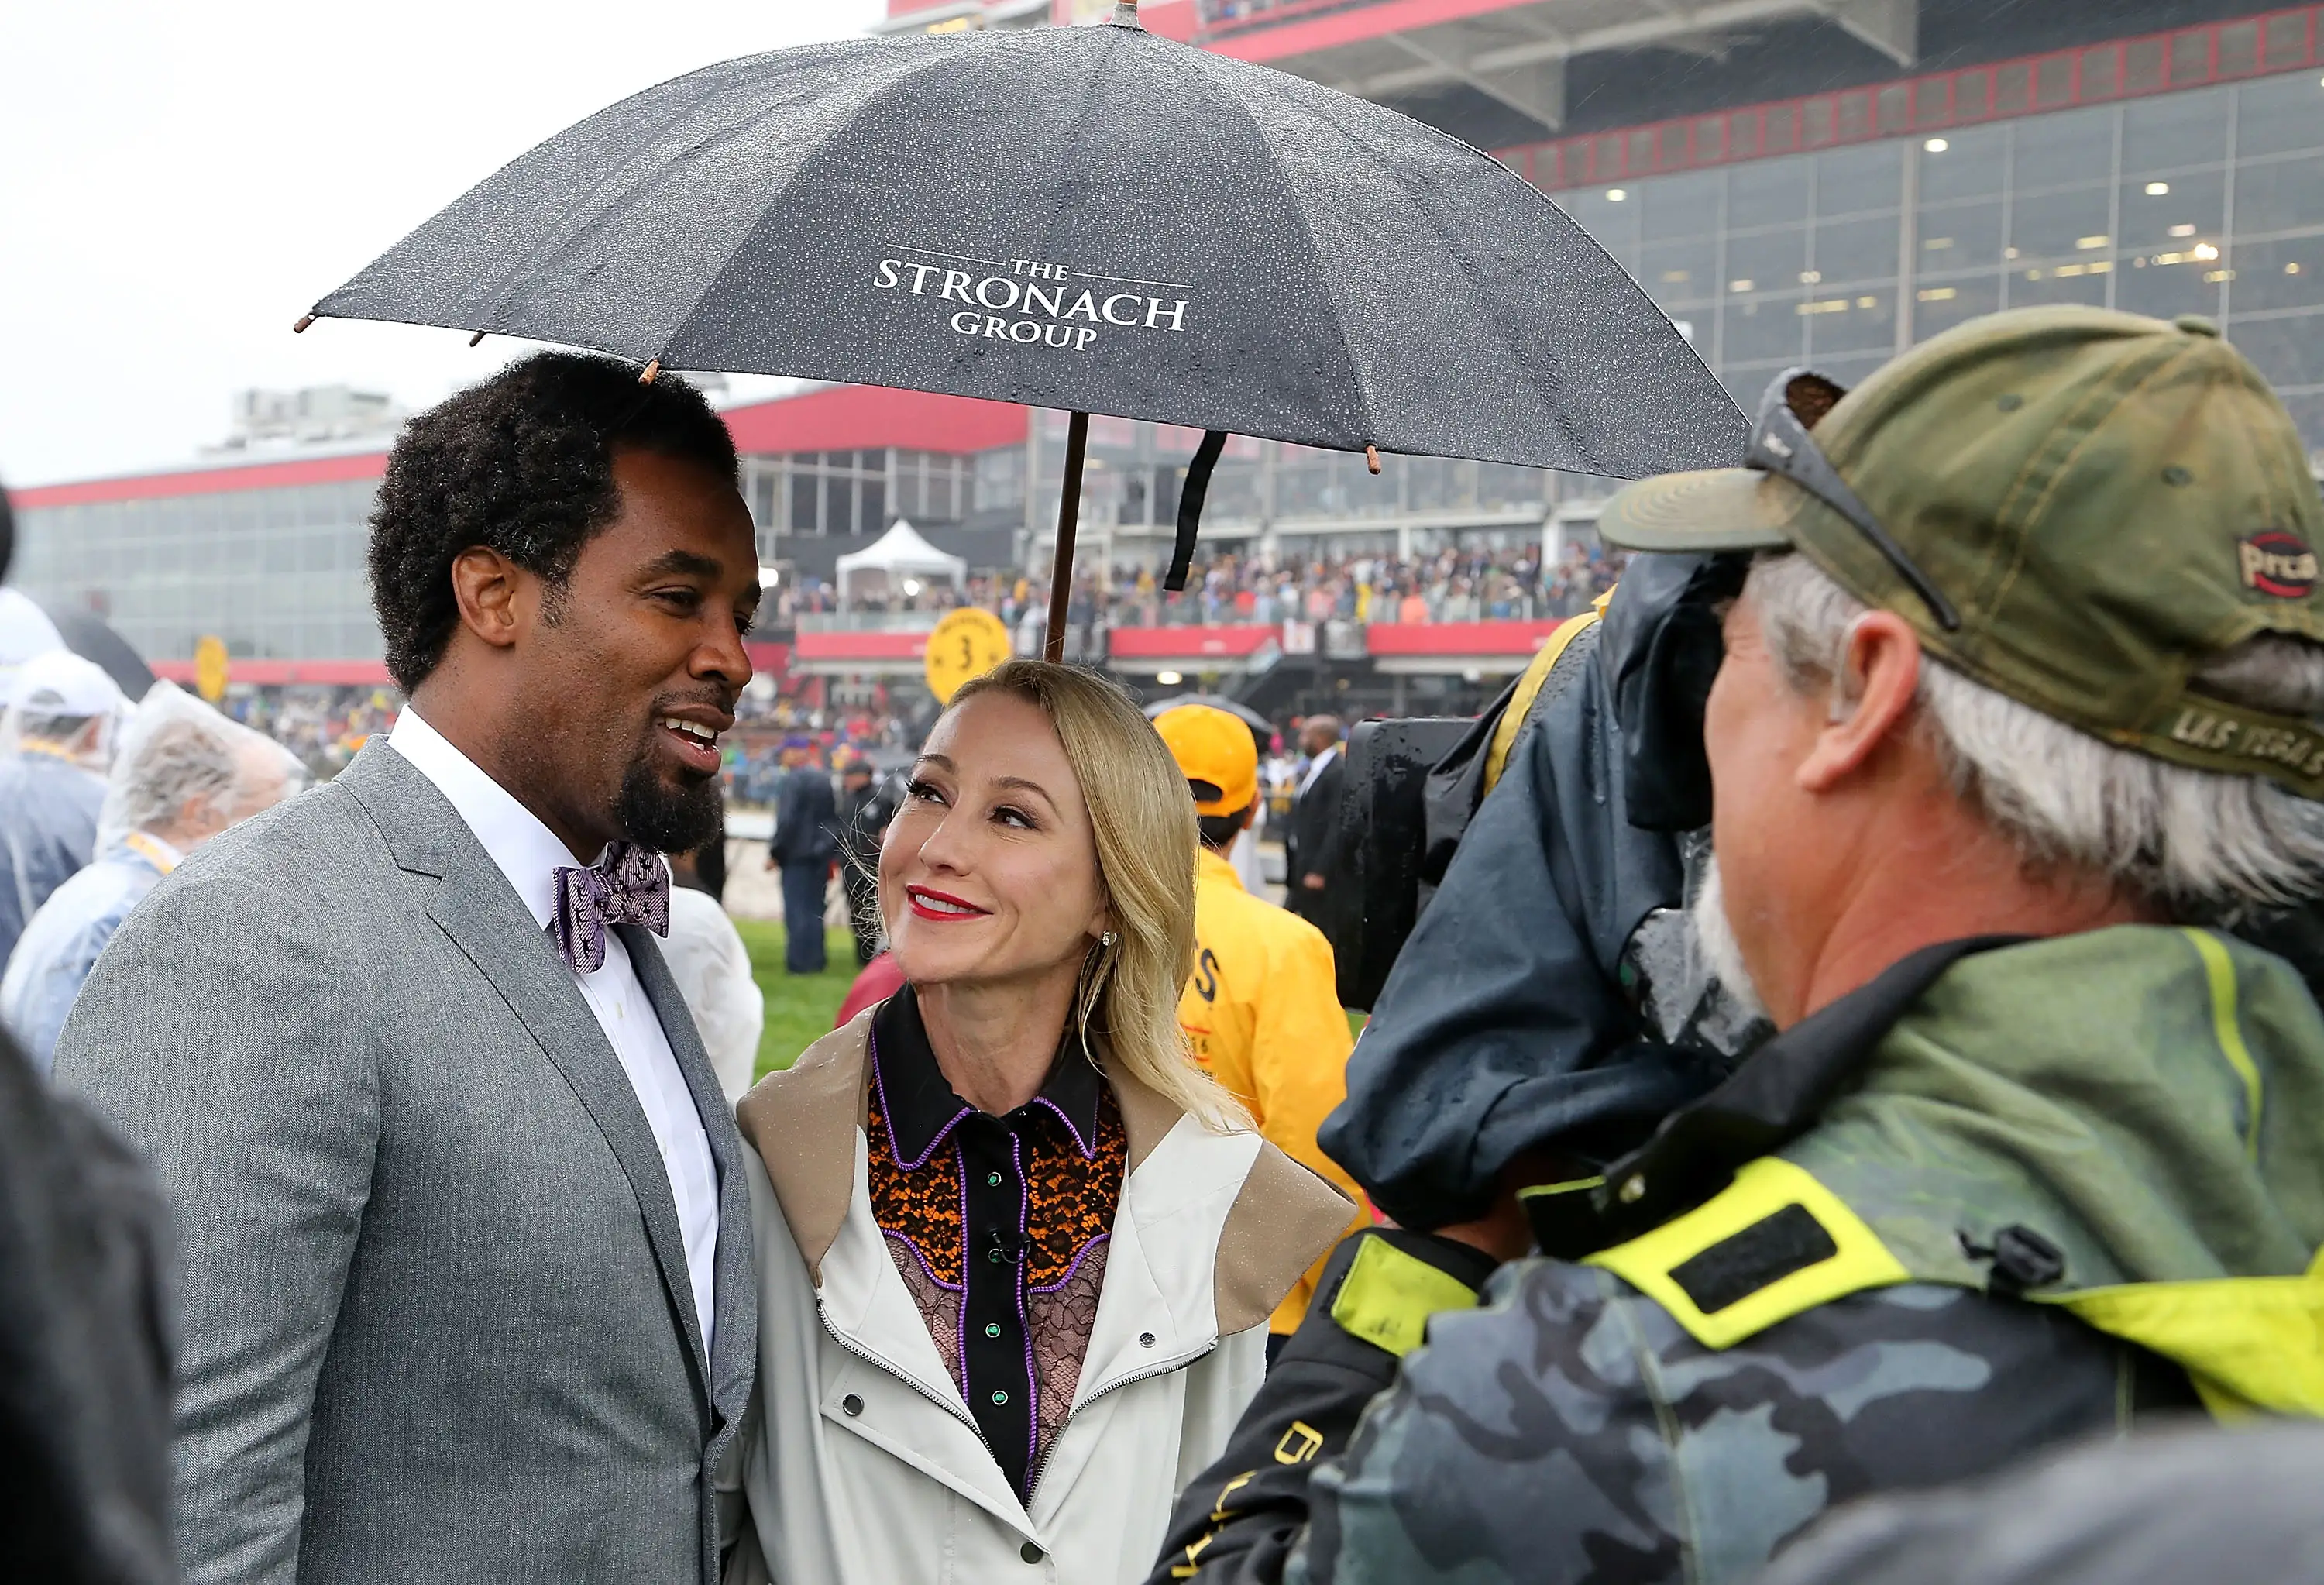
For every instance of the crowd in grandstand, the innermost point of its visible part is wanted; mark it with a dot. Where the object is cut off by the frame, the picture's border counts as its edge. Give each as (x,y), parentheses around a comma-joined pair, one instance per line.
(1482,585)
(326,727)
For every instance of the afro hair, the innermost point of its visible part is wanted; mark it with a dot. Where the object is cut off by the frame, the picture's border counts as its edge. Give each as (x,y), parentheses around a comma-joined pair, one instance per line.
(522,464)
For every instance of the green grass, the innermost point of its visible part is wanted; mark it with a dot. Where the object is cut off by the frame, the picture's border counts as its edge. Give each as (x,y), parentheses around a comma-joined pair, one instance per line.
(799,1007)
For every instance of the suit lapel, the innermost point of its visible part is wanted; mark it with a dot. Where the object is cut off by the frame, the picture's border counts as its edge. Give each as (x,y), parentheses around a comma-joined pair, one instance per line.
(475,907)
(733,1285)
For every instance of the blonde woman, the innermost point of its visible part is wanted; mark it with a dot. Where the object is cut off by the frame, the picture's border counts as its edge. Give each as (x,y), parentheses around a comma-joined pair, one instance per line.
(1016,1252)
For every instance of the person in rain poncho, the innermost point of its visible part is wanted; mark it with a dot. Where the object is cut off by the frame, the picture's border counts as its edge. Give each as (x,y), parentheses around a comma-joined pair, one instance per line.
(184,774)
(55,746)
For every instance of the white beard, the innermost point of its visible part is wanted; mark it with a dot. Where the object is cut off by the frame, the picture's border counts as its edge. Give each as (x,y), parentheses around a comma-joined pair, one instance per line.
(1716,937)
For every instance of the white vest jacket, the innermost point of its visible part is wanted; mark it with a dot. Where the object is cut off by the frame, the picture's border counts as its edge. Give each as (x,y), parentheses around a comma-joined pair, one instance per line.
(863,1465)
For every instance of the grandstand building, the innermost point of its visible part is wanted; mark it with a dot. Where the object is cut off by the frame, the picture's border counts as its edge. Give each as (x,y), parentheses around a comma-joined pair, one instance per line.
(1832,180)
(1825,182)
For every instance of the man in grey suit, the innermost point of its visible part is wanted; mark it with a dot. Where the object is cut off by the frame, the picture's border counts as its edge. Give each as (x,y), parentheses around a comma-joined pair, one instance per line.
(466,1290)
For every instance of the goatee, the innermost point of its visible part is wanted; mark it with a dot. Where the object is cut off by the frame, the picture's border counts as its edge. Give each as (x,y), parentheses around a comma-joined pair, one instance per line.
(668,820)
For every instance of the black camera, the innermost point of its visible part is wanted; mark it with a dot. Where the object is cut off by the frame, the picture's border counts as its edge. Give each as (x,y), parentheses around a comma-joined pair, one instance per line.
(1413,784)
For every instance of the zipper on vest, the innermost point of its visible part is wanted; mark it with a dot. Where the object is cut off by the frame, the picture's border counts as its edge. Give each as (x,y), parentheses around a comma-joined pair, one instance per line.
(1033,1481)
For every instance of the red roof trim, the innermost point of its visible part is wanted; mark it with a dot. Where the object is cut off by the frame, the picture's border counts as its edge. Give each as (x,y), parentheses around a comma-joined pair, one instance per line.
(1186,643)
(1458,638)
(1263,37)
(840,418)
(859,647)
(844,418)
(261,475)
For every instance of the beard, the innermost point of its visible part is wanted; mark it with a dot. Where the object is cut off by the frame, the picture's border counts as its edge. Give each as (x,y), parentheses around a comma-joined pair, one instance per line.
(1716,938)
(666,819)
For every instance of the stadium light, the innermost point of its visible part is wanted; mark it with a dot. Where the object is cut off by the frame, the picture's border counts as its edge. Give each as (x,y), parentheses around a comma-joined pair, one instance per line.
(1936,145)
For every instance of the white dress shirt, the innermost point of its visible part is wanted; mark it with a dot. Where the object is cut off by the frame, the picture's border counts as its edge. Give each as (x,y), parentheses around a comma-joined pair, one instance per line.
(530,854)
(1316,768)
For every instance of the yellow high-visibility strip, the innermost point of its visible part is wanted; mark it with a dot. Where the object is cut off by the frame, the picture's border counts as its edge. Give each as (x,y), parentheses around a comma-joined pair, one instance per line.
(1536,672)
(2226,1028)
(1387,1296)
(1759,1191)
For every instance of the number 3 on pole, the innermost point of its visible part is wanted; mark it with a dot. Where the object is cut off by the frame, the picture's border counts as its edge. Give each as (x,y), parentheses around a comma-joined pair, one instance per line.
(967,643)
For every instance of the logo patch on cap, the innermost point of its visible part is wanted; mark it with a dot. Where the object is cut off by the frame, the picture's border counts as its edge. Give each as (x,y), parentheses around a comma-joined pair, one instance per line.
(2278,562)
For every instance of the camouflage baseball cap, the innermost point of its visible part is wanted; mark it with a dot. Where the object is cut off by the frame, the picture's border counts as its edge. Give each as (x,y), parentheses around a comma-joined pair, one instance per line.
(2096,502)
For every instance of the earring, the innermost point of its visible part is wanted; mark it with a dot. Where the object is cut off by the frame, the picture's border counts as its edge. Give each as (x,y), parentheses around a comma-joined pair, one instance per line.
(1108,939)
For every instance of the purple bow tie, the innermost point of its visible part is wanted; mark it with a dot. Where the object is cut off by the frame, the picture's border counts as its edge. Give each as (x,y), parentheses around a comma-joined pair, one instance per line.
(629,886)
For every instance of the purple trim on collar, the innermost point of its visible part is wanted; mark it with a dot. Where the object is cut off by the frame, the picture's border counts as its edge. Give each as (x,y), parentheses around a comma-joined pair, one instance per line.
(880,1083)
(1088,1147)
(923,1108)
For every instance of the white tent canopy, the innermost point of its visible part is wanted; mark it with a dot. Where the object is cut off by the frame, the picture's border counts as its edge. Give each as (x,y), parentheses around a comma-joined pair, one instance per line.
(899,554)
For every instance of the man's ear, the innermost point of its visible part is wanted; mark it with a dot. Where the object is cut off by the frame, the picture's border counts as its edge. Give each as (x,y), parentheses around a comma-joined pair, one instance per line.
(484,584)
(1872,699)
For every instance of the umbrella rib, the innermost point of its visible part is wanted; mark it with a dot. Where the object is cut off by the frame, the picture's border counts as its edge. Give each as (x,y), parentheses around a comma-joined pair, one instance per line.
(1584,448)
(1583,452)
(1201,66)
(870,102)
(505,287)
(1561,218)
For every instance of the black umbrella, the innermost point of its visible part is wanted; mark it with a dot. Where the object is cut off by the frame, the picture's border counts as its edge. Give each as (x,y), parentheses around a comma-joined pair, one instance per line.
(1095,219)
(29,626)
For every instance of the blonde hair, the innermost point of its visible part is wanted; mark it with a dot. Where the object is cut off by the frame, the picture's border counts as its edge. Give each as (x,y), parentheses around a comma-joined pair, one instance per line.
(1144,821)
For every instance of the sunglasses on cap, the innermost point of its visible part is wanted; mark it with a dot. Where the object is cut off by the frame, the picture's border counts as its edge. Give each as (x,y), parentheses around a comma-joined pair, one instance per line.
(1796,403)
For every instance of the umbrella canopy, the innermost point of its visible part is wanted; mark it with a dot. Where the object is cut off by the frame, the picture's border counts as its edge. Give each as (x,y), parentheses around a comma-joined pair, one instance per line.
(1094,219)
(900,553)
(29,627)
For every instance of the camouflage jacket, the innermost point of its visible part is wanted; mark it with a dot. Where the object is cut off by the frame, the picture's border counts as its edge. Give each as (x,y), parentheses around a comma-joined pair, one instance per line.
(1571,1432)
(1642,1417)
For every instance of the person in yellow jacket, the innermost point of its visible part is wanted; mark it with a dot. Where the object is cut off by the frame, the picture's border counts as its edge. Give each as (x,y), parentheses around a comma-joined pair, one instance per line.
(1260,1010)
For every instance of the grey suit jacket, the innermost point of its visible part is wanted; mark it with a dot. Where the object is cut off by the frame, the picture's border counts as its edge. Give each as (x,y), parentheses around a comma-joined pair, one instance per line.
(434,1319)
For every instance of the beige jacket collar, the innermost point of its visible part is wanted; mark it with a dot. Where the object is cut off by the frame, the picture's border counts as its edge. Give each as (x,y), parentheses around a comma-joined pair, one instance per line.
(808,1122)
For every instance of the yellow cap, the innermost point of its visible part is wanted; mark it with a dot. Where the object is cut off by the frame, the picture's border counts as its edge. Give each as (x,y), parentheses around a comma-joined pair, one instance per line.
(1215,750)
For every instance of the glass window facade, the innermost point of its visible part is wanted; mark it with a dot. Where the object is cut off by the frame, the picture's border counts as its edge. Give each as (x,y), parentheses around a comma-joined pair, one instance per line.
(860,492)
(2208,201)
(1330,499)
(277,573)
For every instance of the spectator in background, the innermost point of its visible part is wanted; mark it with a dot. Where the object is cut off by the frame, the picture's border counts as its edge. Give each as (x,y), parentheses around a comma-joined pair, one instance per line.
(706,957)
(803,847)
(84,1350)
(1312,834)
(1260,1011)
(866,804)
(58,743)
(184,774)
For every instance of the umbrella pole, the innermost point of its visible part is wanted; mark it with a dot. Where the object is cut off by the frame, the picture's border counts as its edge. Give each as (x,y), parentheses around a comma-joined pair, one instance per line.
(1069,515)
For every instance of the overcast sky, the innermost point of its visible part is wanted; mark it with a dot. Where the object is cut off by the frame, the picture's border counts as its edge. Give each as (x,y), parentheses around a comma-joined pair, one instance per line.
(178,181)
